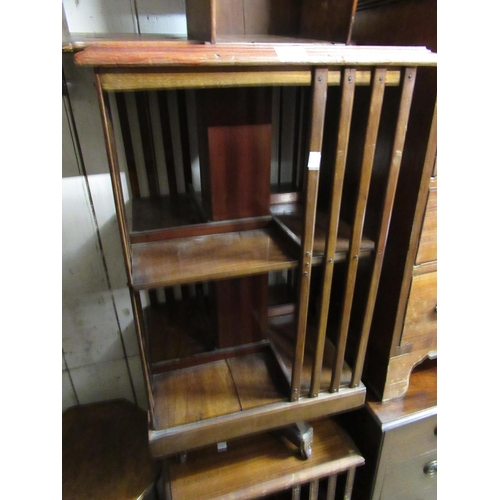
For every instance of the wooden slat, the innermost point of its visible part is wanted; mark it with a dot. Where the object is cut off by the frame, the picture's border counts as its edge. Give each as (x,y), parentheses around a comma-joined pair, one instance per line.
(114,167)
(429,160)
(427,246)
(392,180)
(140,79)
(348,87)
(141,332)
(332,484)
(364,187)
(148,148)
(168,146)
(313,490)
(165,54)
(296,492)
(319,93)
(184,135)
(127,144)
(349,483)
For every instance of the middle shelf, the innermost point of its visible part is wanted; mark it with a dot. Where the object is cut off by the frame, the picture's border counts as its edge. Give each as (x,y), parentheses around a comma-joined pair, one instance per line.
(168,251)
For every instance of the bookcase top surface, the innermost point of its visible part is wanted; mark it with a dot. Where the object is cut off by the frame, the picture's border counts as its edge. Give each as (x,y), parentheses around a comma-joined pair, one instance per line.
(166,53)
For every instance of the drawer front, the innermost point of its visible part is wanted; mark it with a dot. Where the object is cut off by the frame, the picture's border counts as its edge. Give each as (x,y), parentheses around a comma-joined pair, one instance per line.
(421,313)
(412,479)
(427,248)
(413,439)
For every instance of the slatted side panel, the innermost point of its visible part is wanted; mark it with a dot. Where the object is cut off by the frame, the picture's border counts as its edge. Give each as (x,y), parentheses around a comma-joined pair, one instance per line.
(342,162)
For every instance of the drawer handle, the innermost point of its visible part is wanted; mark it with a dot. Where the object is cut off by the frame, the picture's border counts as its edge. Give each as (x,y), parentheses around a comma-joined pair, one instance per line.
(431,468)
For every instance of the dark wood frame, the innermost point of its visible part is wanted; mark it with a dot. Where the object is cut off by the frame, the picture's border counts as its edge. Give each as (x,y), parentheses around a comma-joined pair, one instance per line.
(139,66)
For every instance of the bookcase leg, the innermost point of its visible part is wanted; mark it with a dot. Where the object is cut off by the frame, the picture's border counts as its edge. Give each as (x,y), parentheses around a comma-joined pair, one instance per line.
(301,435)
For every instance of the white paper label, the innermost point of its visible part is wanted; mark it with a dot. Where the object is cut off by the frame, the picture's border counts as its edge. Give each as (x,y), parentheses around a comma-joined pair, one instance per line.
(314,160)
(291,53)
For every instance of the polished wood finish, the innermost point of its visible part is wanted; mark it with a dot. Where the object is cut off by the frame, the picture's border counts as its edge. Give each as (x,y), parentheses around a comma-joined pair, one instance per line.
(234,133)
(105,452)
(167,55)
(253,468)
(332,240)
(189,260)
(390,360)
(205,395)
(392,179)
(421,313)
(136,79)
(291,216)
(318,106)
(165,442)
(427,246)
(215,20)
(330,20)
(242,306)
(372,126)
(398,438)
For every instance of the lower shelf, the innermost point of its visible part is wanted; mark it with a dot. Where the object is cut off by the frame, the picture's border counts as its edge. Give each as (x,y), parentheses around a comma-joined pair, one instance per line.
(227,393)
(253,468)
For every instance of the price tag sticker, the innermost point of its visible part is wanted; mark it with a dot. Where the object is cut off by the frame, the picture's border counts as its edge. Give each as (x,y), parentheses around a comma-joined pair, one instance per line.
(291,53)
(314,160)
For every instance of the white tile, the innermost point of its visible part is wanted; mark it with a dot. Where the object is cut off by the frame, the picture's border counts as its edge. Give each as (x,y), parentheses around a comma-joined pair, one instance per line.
(102,382)
(158,16)
(96,16)
(90,325)
(138,380)
(68,394)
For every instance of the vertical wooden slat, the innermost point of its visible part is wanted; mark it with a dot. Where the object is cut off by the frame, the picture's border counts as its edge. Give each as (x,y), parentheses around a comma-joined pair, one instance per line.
(184,133)
(392,180)
(296,492)
(296,136)
(147,141)
(112,154)
(168,146)
(348,86)
(332,485)
(137,309)
(127,144)
(313,490)
(349,483)
(423,191)
(319,93)
(377,96)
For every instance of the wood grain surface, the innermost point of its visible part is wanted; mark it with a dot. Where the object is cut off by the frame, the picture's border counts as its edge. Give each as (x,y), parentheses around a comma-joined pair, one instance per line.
(253,467)
(187,260)
(163,53)
(427,247)
(105,452)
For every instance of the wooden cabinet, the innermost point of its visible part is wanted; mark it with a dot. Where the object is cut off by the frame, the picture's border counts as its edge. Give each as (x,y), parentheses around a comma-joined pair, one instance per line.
(399,442)
(209,381)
